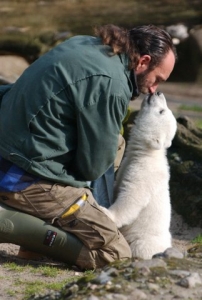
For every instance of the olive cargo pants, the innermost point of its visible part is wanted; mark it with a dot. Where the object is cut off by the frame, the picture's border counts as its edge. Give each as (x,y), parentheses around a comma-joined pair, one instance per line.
(53,203)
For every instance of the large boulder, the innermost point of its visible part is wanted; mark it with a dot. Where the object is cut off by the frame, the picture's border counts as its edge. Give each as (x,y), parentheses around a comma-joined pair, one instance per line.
(196,51)
(11,67)
(188,67)
(185,158)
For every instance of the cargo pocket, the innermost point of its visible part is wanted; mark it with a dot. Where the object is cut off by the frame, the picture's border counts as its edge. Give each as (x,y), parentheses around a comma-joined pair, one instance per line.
(90,224)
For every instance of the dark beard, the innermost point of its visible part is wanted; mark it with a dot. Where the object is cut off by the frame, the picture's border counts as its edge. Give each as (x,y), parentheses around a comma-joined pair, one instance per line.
(141,81)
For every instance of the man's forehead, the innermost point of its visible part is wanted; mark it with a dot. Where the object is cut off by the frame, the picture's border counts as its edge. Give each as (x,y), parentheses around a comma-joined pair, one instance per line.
(166,66)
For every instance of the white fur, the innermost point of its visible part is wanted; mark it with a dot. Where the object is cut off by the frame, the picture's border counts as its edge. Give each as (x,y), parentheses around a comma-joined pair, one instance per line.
(142,207)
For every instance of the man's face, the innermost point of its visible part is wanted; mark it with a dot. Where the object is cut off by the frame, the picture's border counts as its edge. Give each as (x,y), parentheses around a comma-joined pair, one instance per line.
(147,80)
(142,82)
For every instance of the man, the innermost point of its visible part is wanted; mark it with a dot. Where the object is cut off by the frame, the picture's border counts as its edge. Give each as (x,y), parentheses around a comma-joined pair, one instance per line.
(59,131)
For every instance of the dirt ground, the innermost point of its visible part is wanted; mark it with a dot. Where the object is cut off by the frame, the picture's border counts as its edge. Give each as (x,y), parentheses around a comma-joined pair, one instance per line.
(13,283)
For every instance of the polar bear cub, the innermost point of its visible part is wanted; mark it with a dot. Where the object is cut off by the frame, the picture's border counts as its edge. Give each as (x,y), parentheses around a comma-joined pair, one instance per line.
(142,207)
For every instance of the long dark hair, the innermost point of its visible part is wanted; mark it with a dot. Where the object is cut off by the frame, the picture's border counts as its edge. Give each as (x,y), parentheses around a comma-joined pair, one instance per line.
(141,40)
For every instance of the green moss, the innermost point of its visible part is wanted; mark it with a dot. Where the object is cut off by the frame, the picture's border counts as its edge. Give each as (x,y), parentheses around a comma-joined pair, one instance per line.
(197,239)
(87,278)
(198,123)
(195,108)
(181,264)
(14,267)
(158,271)
(23,45)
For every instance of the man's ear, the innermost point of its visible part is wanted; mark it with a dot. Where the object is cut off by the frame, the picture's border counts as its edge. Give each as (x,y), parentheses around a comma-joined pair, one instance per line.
(143,63)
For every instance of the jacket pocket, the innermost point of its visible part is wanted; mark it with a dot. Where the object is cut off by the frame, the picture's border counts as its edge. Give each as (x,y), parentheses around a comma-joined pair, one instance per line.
(90,225)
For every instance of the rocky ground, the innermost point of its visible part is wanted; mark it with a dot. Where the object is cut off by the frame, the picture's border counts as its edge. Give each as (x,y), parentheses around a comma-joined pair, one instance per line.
(161,278)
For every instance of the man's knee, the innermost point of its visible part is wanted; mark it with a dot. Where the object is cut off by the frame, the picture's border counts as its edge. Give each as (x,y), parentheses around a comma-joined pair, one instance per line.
(93,259)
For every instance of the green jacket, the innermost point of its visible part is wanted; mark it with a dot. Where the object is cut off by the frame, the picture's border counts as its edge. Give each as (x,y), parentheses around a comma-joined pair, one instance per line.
(61,119)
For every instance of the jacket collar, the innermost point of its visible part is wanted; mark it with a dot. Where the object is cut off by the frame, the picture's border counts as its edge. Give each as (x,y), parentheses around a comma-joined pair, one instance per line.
(131,75)
(133,79)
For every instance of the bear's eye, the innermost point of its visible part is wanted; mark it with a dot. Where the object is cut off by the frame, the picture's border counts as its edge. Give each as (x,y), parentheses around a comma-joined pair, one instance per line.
(161,111)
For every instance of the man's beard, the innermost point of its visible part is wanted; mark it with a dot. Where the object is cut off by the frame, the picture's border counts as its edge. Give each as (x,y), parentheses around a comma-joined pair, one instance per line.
(141,82)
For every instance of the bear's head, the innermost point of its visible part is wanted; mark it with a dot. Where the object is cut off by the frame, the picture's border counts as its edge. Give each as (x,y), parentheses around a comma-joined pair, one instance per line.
(155,125)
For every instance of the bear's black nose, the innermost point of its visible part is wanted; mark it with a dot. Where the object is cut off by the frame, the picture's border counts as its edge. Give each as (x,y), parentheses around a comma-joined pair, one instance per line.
(149,98)
(158,93)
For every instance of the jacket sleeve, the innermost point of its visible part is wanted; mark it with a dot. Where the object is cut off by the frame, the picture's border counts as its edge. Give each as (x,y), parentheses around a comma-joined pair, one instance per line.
(4,89)
(98,127)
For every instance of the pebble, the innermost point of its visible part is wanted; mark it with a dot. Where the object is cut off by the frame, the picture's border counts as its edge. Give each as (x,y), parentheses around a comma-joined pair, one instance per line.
(173,253)
(149,263)
(74,289)
(102,278)
(191,281)
(92,297)
(115,297)
(179,273)
(170,253)
(106,276)
(112,272)
(144,271)
(11,67)
(138,295)
(153,287)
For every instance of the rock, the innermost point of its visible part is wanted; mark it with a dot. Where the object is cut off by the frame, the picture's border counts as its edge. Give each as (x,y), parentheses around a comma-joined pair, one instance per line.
(153,287)
(196,50)
(150,263)
(179,273)
(115,297)
(195,250)
(112,272)
(51,38)
(188,68)
(138,295)
(103,278)
(186,171)
(16,29)
(173,253)
(178,32)
(11,67)
(92,297)
(196,33)
(169,253)
(191,281)
(22,45)
(145,271)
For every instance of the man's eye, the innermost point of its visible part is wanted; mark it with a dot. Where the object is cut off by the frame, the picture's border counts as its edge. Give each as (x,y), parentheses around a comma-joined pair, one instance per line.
(161,111)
